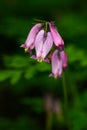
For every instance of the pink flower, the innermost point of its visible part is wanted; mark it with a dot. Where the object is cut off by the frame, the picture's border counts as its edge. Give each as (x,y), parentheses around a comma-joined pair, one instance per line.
(30,41)
(43,44)
(58,41)
(41,40)
(56,65)
(64,59)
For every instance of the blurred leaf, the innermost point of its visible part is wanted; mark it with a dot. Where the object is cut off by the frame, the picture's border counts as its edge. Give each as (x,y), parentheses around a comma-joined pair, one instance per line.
(13,26)
(83,100)
(16,75)
(35,103)
(43,66)
(5,74)
(76,54)
(20,123)
(84,62)
(16,61)
(4,123)
(29,73)
(78,120)
(74,25)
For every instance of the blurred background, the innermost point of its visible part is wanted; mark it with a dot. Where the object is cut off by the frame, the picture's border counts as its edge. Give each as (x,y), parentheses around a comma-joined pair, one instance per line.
(29,99)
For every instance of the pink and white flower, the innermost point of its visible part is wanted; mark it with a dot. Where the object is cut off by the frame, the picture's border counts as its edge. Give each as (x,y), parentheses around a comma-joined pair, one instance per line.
(43,44)
(58,41)
(56,65)
(41,40)
(30,41)
(64,59)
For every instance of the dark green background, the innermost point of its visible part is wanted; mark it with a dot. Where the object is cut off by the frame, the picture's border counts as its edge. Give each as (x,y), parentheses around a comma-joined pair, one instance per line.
(24,82)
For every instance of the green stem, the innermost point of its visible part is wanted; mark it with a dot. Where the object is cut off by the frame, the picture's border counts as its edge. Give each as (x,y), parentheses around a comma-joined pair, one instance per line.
(65,101)
(46,25)
(49,120)
(65,92)
(39,20)
(74,93)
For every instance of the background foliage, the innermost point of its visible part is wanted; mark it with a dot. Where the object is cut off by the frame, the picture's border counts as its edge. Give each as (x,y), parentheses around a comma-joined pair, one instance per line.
(24,82)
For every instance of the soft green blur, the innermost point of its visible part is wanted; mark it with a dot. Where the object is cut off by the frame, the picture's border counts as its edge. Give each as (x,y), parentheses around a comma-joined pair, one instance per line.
(26,91)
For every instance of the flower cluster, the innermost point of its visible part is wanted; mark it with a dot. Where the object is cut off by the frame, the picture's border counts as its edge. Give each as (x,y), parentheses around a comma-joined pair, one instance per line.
(48,45)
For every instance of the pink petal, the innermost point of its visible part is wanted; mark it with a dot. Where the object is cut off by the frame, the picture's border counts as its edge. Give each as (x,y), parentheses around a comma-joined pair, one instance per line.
(39,43)
(32,35)
(33,57)
(47,45)
(23,46)
(47,60)
(64,58)
(58,41)
(51,75)
(56,64)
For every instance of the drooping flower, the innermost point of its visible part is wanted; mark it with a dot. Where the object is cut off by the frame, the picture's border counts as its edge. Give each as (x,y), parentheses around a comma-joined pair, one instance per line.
(30,41)
(56,65)
(64,59)
(43,44)
(58,41)
(41,38)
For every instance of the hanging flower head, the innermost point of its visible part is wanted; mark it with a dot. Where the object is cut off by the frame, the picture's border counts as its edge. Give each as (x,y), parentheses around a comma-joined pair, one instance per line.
(45,39)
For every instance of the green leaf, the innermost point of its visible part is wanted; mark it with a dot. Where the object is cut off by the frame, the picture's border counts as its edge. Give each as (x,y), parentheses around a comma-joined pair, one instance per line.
(5,74)
(16,61)
(78,119)
(74,25)
(35,103)
(14,26)
(29,73)
(75,54)
(43,66)
(16,75)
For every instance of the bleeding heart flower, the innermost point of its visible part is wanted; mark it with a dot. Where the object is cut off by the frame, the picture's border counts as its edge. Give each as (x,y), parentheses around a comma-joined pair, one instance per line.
(43,44)
(64,59)
(58,41)
(30,41)
(41,40)
(56,65)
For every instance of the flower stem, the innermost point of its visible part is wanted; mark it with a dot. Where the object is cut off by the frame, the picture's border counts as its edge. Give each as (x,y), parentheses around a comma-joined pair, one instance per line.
(49,120)
(46,25)
(74,93)
(65,101)
(39,20)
